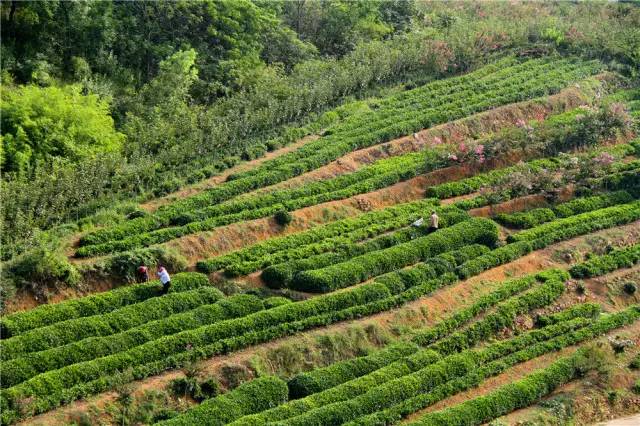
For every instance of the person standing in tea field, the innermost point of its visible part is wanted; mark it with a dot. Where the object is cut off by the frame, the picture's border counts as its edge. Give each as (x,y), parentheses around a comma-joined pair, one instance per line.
(142,274)
(165,279)
(433,221)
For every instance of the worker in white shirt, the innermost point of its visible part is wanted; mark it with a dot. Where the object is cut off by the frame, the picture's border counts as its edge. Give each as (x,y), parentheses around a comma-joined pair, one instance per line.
(433,221)
(165,279)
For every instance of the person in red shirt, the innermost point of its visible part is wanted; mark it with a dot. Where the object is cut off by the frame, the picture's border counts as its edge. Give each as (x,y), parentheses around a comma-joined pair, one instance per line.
(142,274)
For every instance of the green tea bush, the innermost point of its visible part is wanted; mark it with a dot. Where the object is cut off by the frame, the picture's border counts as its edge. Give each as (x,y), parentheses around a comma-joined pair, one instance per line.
(507,398)
(360,268)
(473,184)
(562,229)
(600,265)
(283,217)
(526,219)
(455,372)
(463,316)
(576,331)
(319,379)
(317,240)
(398,369)
(14,324)
(130,316)
(25,367)
(275,301)
(164,350)
(535,217)
(494,258)
(587,204)
(282,275)
(250,397)
(505,313)
(584,310)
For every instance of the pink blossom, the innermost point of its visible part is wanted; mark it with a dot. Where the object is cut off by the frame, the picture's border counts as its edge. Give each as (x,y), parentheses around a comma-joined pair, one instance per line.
(479,150)
(521,123)
(453,157)
(437,140)
(462,147)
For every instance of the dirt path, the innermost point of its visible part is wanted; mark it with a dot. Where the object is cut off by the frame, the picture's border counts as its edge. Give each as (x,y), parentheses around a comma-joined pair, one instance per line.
(423,312)
(627,421)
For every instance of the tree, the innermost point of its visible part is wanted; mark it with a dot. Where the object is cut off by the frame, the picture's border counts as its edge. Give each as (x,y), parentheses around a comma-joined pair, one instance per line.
(42,124)
(161,116)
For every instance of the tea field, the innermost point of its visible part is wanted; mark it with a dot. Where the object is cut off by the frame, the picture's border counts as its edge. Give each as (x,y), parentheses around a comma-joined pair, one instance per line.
(305,296)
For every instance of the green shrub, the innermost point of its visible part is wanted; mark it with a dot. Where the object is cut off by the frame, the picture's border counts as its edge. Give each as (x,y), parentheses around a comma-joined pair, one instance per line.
(195,388)
(562,229)
(14,324)
(575,331)
(496,257)
(587,204)
(406,376)
(318,239)
(40,124)
(316,403)
(449,375)
(282,275)
(363,267)
(124,265)
(600,265)
(463,316)
(444,263)
(395,119)
(584,310)
(630,288)
(34,363)
(205,339)
(283,217)
(473,184)
(507,398)
(72,330)
(526,219)
(274,302)
(319,379)
(251,397)
(505,313)
(42,268)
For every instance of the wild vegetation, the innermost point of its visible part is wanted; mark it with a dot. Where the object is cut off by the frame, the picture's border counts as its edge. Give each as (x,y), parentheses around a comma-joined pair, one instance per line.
(372,212)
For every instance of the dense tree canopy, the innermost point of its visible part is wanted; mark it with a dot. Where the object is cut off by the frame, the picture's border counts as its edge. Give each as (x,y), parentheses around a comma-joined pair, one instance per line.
(42,124)
(126,41)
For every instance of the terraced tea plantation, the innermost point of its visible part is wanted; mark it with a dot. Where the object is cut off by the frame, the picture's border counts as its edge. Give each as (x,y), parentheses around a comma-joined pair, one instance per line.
(313,295)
